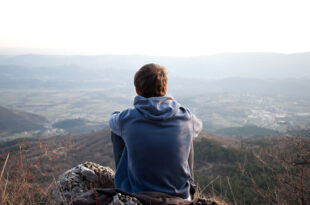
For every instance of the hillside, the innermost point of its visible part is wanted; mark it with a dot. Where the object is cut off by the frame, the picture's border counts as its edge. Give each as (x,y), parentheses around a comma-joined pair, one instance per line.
(222,165)
(213,160)
(238,170)
(14,121)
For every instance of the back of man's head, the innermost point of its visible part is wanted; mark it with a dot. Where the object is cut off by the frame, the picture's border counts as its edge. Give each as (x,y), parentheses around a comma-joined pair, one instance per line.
(151,80)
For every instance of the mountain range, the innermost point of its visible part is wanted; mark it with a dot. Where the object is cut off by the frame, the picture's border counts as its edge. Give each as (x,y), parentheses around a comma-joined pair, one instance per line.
(248,65)
(259,73)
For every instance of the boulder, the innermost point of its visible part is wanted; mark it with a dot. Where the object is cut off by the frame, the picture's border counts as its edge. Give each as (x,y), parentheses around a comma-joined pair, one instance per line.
(80,179)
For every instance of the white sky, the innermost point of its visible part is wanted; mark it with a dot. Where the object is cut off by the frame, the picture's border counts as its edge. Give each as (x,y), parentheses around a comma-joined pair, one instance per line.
(159,27)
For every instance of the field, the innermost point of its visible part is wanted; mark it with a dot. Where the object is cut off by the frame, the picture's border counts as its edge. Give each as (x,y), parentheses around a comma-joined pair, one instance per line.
(217,110)
(65,104)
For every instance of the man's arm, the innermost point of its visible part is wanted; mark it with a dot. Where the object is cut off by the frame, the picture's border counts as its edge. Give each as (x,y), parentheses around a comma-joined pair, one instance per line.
(117,141)
(115,124)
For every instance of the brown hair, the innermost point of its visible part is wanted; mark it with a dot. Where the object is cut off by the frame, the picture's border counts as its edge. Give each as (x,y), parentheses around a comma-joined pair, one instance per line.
(151,80)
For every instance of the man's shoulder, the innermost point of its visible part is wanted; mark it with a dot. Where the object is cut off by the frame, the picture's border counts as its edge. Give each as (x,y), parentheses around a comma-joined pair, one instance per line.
(129,112)
(118,118)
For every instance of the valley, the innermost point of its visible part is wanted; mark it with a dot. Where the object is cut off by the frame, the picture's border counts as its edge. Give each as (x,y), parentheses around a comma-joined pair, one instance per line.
(55,111)
(276,114)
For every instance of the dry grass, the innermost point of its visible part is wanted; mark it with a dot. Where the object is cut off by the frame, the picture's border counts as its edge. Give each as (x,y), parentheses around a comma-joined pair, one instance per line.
(213,197)
(18,181)
(28,169)
(27,178)
(288,161)
(28,172)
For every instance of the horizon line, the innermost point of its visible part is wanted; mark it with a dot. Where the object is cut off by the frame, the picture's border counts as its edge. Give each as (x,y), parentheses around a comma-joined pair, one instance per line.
(48,52)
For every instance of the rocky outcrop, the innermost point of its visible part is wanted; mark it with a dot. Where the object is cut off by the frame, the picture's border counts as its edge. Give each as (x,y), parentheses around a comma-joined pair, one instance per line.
(81,179)
(81,185)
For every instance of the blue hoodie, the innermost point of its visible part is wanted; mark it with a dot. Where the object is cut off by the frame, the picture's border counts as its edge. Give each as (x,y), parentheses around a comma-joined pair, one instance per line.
(157,133)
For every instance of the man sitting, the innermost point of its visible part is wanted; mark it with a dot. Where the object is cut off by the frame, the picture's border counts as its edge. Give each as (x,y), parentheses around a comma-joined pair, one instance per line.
(152,141)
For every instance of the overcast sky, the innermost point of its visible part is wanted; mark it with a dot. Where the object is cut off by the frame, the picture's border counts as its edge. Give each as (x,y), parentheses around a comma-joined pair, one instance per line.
(159,27)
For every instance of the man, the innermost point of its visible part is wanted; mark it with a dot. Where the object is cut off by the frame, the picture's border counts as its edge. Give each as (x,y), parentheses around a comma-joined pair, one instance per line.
(152,142)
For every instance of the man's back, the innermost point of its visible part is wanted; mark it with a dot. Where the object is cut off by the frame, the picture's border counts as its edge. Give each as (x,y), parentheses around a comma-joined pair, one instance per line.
(157,133)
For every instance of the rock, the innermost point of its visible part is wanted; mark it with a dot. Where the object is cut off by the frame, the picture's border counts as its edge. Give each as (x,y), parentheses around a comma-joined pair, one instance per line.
(81,179)
(120,199)
(75,184)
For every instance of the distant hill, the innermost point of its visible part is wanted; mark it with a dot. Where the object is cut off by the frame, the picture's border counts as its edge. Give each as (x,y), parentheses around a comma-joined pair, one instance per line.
(247,65)
(247,131)
(14,121)
(70,123)
(78,125)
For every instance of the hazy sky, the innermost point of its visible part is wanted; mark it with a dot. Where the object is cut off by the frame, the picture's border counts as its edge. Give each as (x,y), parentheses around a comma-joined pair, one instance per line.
(159,27)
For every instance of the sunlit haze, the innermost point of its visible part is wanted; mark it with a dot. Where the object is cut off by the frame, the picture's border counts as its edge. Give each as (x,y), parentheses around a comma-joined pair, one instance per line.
(161,27)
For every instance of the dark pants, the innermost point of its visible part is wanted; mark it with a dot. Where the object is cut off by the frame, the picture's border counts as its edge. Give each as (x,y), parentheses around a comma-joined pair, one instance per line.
(118,147)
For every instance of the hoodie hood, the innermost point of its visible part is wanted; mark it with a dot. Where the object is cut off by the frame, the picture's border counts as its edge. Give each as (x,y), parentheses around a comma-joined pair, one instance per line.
(157,108)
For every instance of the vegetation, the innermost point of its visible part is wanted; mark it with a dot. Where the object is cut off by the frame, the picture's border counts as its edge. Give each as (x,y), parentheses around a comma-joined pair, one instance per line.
(276,172)
(226,176)
(288,162)
(30,167)
(16,181)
